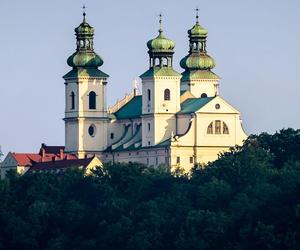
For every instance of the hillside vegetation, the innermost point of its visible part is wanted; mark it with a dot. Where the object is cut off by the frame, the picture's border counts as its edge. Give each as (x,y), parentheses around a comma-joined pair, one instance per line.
(248,199)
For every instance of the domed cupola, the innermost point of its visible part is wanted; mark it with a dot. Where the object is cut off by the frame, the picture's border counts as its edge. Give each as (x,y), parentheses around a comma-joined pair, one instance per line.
(198,60)
(197,31)
(160,44)
(161,50)
(85,59)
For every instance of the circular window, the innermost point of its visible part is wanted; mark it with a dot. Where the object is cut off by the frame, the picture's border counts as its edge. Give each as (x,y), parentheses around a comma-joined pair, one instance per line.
(217,106)
(92,130)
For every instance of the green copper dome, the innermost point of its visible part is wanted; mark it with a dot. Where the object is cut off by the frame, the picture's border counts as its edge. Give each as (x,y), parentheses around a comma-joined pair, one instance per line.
(197,61)
(197,31)
(85,29)
(160,43)
(85,59)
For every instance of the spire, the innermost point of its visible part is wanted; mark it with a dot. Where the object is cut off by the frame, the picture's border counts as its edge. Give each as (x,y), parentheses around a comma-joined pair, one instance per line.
(84,13)
(197,15)
(160,24)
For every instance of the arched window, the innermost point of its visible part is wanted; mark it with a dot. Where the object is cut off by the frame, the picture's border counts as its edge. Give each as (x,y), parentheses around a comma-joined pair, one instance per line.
(149,95)
(203,95)
(217,127)
(225,129)
(210,128)
(72,100)
(156,62)
(167,95)
(165,61)
(92,100)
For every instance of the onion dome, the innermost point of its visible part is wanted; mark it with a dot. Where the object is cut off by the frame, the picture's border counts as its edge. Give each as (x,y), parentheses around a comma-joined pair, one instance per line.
(84,29)
(85,61)
(160,43)
(198,61)
(197,31)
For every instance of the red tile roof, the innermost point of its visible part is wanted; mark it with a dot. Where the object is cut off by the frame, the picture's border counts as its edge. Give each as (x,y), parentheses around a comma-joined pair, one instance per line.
(46,154)
(26,159)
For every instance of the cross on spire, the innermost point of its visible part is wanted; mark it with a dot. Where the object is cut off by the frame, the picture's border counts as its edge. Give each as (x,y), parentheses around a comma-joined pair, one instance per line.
(197,15)
(84,13)
(160,22)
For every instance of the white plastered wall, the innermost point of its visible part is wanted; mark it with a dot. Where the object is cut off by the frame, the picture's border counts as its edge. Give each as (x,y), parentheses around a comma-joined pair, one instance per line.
(78,120)
(200,86)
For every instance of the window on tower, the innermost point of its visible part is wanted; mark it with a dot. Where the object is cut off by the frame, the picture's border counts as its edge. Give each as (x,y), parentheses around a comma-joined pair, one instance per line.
(72,100)
(167,95)
(149,95)
(92,100)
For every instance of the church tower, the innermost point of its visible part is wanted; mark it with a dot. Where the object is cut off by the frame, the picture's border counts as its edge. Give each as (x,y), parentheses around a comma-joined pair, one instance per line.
(161,92)
(198,77)
(86,117)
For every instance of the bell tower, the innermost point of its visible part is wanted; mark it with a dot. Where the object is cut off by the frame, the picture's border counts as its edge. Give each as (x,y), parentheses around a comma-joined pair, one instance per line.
(198,77)
(161,91)
(86,117)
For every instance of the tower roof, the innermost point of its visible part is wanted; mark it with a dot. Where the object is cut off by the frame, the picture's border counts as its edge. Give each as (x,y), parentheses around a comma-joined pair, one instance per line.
(197,31)
(84,58)
(160,43)
(198,60)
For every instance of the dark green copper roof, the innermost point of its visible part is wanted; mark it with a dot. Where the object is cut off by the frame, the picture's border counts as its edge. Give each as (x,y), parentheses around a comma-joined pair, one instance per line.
(199,74)
(193,104)
(132,109)
(85,72)
(160,71)
(85,59)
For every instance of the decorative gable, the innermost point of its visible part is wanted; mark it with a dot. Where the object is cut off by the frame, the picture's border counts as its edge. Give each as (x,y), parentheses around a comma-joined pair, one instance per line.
(218,105)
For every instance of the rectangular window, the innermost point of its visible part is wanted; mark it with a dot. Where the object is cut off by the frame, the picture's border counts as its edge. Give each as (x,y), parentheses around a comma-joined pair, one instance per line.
(166,160)
(112,135)
(149,126)
(148,144)
(178,159)
(217,127)
(191,159)
(156,161)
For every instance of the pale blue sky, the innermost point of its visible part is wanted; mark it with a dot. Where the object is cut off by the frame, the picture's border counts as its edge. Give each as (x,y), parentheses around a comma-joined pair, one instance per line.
(256,44)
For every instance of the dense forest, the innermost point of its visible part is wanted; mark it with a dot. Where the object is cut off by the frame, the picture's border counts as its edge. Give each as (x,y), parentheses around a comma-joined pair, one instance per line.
(248,199)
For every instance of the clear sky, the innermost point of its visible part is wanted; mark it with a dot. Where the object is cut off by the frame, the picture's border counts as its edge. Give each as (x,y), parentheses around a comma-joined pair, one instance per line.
(256,44)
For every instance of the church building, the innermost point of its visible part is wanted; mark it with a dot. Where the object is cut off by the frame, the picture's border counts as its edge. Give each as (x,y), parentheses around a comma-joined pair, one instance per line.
(179,119)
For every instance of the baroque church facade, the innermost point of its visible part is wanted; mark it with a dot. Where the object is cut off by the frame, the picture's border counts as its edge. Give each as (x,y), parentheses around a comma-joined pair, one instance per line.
(179,119)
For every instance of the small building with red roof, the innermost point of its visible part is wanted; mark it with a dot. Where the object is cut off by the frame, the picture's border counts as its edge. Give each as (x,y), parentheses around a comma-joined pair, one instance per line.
(48,156)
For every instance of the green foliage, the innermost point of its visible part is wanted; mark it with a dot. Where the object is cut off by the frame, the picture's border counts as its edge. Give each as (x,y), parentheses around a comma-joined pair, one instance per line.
(248,199)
